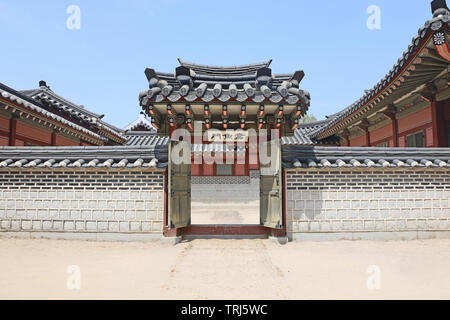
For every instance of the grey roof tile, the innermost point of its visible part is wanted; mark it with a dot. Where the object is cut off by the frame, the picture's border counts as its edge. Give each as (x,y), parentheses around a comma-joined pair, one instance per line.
(343,157)
(154,156)
(246,84)
(304,135)
(143,138)
(46,95)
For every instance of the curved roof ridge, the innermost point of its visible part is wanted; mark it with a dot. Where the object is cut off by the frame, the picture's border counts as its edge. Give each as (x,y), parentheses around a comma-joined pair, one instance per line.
(78,107)
(245,66)
(87,116)
(313,124)
(201,83)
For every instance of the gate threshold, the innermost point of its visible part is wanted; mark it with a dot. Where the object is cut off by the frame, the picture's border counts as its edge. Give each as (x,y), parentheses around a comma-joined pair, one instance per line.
(189,237)
(226,231)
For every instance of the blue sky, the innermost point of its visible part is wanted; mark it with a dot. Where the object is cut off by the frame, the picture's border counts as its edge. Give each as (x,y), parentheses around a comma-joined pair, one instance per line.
(102,65)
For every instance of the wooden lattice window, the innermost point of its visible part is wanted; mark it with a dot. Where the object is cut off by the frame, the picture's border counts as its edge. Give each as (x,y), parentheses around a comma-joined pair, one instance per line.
(416,140)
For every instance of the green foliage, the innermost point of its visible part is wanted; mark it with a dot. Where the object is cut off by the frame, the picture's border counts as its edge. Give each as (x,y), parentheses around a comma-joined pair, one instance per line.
(309,118)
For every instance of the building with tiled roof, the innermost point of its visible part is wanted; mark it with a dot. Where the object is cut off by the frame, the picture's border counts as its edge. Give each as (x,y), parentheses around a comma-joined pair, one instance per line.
(246,96)
(362,173)
(42,117)
(410,106)
(142,123)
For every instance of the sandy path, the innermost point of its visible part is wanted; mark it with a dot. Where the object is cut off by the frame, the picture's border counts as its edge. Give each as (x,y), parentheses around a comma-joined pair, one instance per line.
(224,269)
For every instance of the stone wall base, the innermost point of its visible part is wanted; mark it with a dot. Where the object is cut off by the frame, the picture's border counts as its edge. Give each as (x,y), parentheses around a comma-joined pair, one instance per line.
(381,236)
(92,236)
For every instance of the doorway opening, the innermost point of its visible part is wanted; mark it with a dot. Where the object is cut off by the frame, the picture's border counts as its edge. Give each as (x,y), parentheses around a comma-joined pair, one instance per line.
(214,198)
(225,199)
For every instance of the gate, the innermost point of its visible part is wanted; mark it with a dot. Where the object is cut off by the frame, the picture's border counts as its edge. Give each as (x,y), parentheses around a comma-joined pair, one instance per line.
(179,189)
(271,203)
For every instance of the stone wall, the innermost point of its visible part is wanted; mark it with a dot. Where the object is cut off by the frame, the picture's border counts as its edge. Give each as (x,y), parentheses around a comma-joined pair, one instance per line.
(321,204)
(368,204)
(79,204)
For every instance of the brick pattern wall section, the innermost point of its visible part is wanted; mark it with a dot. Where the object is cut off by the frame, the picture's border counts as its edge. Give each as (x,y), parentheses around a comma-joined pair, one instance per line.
(125,202)
(226,189)
(225,201)
(214,180)
(367,204)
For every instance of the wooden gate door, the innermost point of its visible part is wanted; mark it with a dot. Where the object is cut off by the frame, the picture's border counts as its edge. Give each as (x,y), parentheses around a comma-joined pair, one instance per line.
(271,205)
(179,191)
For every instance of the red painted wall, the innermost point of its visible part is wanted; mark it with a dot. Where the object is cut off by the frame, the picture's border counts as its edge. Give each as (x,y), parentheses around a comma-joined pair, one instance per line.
(204,169)
(4,141)
(27,134)
(62,141)
(196,169)
(358,142)
(240,170)
(208,169)
(421,120)
(381,135)
(415,120)
(4,123)
(27,131)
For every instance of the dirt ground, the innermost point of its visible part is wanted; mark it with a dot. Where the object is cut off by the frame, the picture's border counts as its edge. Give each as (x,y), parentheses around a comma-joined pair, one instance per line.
(226,269)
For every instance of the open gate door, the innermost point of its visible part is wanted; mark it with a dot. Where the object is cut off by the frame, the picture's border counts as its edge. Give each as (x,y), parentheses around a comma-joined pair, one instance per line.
(179,191)
(271,204)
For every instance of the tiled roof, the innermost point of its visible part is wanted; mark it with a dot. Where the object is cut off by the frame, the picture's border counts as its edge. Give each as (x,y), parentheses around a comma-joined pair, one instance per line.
(119,157)
(236,70)
(304,135)
(45,95)
(345,158)
(140,138)
(142,121)
(441,19)
(145,138)
(22,99)
(40,100)
(249,83)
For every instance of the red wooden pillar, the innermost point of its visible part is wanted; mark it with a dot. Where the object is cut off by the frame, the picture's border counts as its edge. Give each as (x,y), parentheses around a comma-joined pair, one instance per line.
(171,130)
(346,135)
(438,118)
(367,136)
(365,127)
(434,117)
(53,138)
(390,113)
(394,130)
(12,131)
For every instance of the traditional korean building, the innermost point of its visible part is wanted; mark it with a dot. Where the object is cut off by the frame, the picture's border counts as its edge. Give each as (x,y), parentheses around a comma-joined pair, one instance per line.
(409,107)
(40,117)
(141,124)
(379,169)
(247,97)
